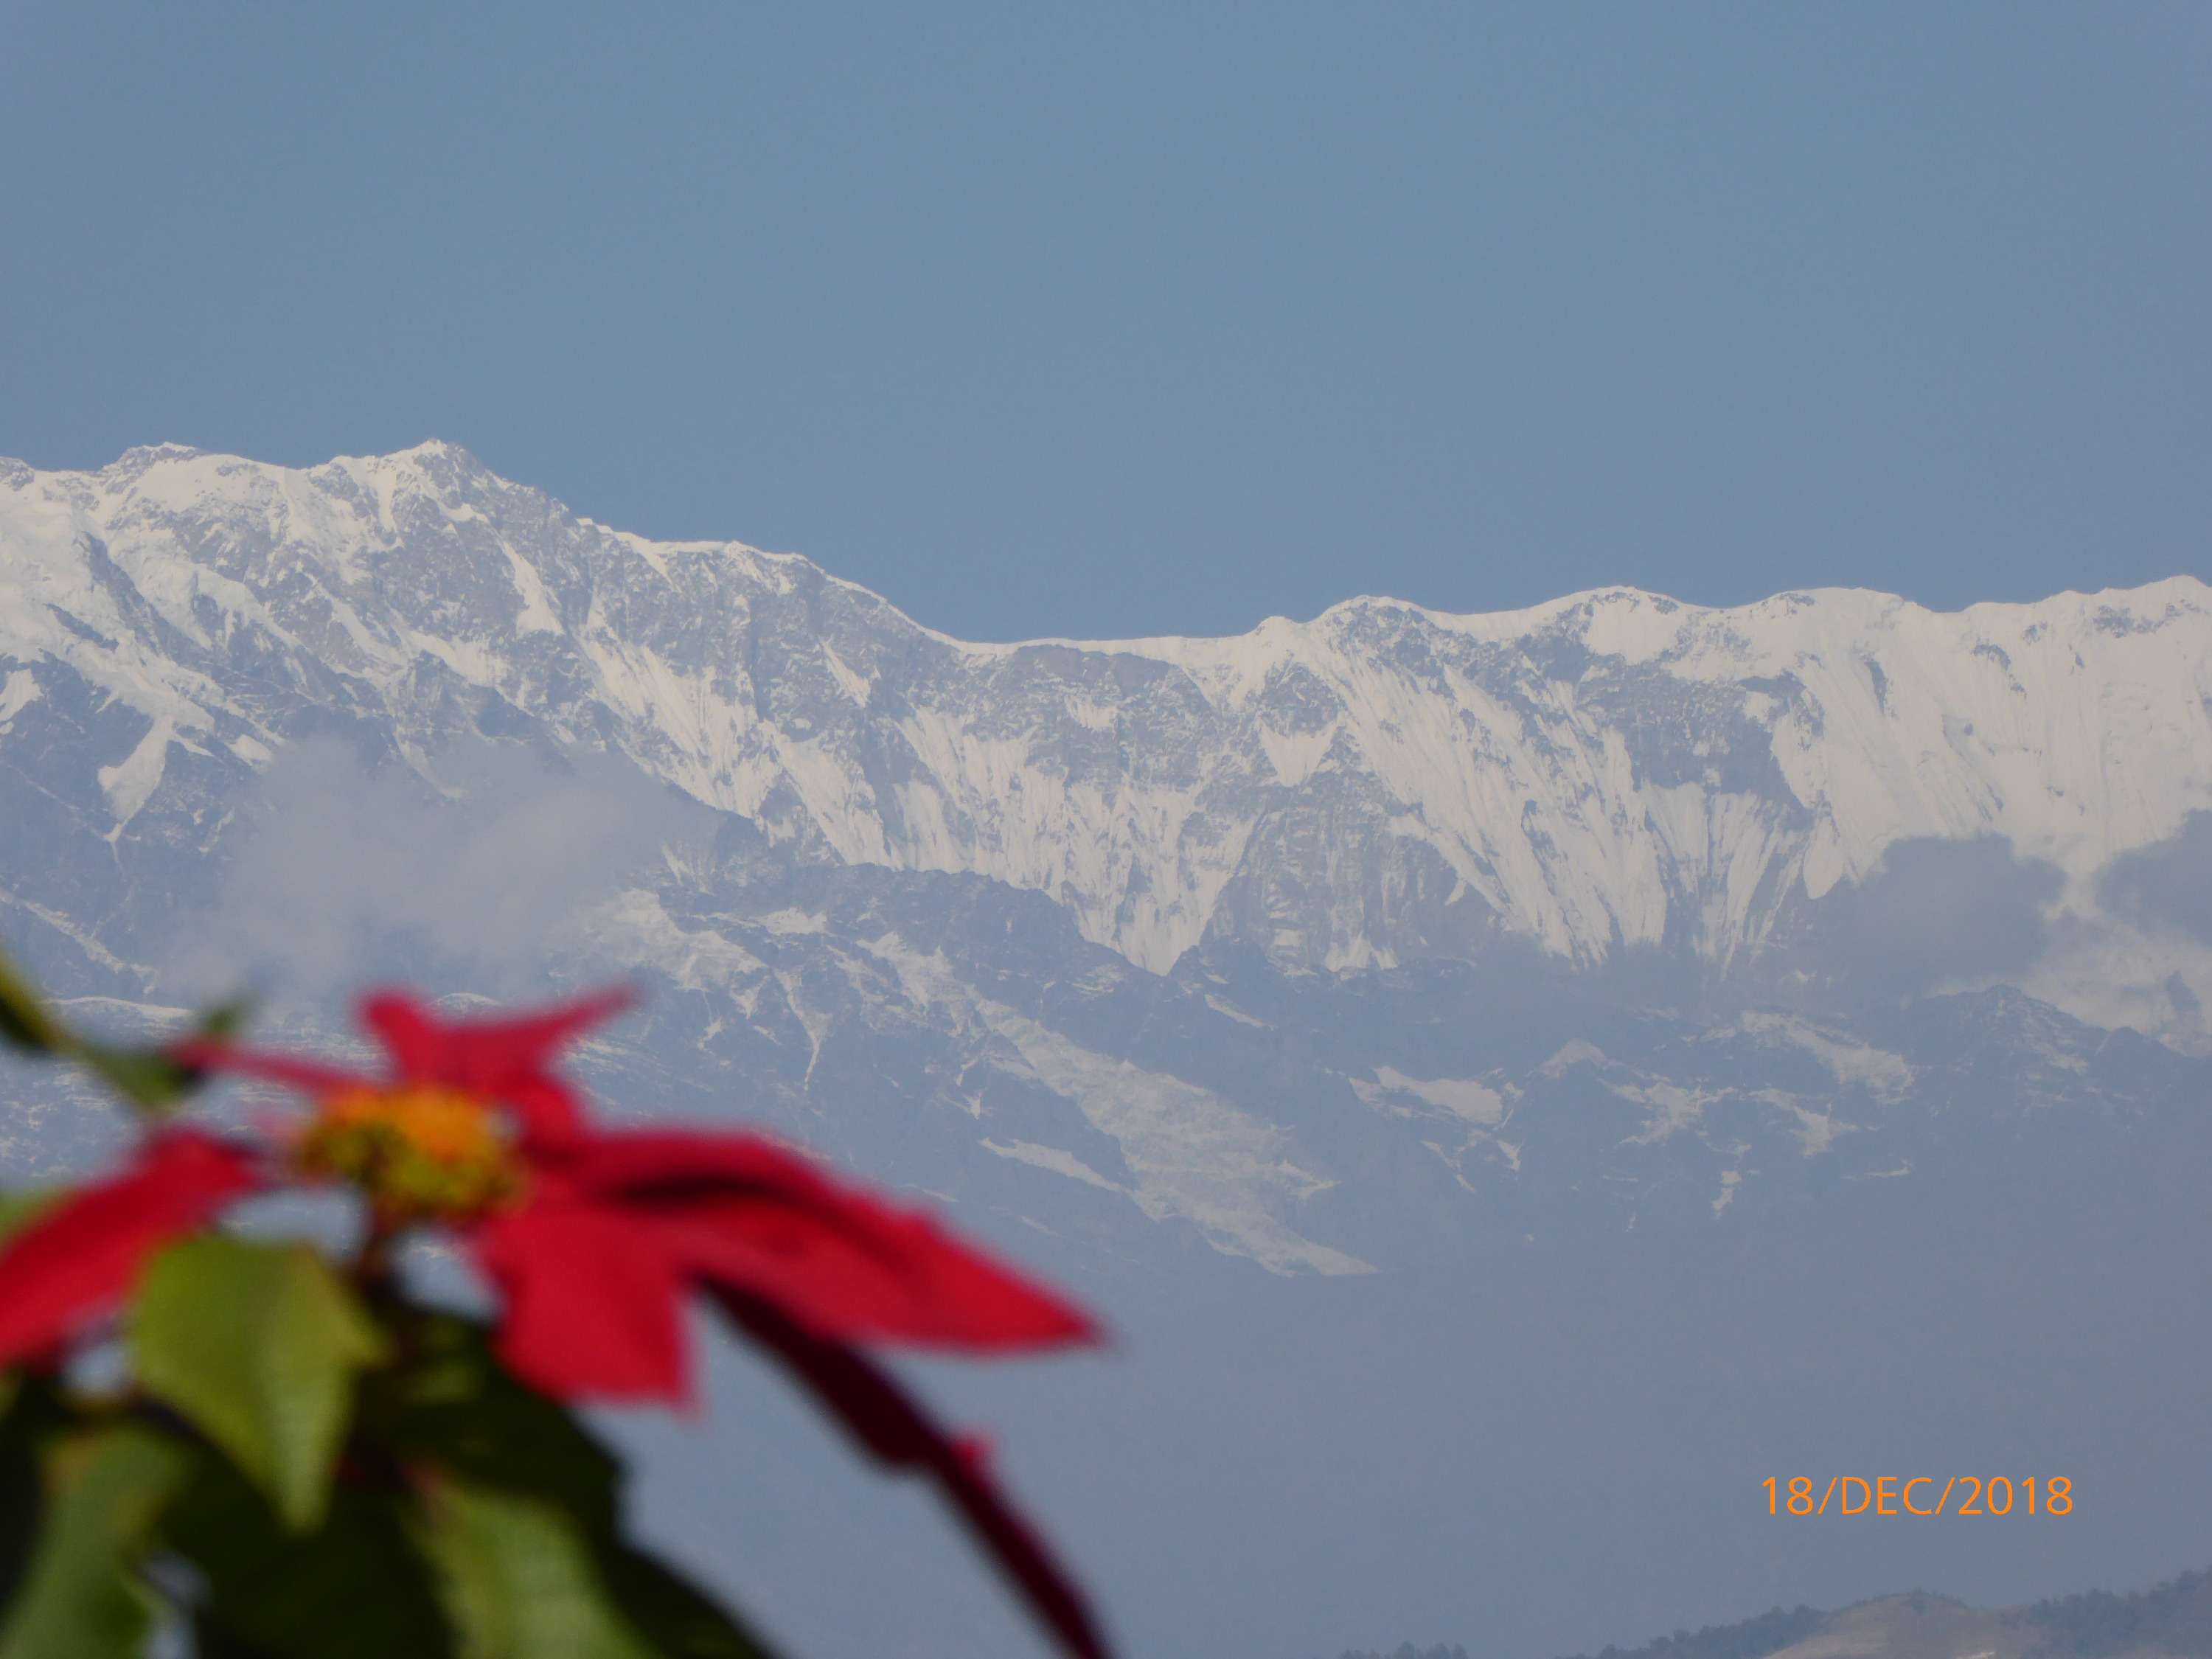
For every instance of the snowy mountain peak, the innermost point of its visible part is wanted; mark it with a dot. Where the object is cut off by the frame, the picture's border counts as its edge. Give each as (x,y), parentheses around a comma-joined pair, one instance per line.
(1610,770)
(1615,906)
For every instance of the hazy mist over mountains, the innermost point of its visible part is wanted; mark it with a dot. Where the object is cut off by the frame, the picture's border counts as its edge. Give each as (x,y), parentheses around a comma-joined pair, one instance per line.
(1518,1080)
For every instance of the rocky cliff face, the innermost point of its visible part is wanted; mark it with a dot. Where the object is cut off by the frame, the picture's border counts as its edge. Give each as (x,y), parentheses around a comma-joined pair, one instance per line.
(1326,946)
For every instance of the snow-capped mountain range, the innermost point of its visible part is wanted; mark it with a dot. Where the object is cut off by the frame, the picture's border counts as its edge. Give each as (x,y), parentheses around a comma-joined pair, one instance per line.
(1314,941)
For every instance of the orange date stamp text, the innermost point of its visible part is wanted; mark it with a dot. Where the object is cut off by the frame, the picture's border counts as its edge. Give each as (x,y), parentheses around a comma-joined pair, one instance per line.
(1920,1495)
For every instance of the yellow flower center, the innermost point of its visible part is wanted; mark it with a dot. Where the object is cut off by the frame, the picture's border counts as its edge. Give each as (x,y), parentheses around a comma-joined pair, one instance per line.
(421,1152)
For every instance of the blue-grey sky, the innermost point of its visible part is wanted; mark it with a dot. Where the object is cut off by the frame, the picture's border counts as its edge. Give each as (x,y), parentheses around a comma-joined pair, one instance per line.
(1114,320)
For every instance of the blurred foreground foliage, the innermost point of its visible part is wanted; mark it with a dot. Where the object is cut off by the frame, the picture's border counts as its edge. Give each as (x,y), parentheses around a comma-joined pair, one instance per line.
(277,1446)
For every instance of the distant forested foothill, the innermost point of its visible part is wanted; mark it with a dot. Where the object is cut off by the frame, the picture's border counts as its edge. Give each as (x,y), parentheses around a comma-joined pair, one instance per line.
(1753,1638)
(2174,1619)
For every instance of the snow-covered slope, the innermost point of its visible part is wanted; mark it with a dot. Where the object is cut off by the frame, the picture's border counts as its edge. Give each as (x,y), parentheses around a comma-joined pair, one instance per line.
(1320,946)
(1613,768)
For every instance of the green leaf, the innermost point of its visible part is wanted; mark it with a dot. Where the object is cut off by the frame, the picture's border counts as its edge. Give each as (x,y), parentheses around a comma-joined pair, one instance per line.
(24,1022)
(356,1588)
(82,1598)
(35,1414)
(18,1210)
(464,1412)
(257,1345)
(144,1077)
(21,1501)
(519,1579)
(147,1077)
(225,1019)
(211,1641)
(680,1620)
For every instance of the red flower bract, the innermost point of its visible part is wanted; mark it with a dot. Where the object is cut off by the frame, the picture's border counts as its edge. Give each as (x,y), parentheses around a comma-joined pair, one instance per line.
(503,1060)
(736,1213)
(612,1229)
(79,1260)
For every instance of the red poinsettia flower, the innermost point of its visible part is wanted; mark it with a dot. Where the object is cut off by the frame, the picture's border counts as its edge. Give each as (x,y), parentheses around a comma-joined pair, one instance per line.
(595,1238)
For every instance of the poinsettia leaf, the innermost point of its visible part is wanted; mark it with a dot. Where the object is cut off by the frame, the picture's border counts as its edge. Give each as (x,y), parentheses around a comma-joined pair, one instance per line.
(24,1022)
(356,1588)
(81,1597)
(467,1413)
(18,1210)
(153,1078)
(20,1500)
(257,1346)
(34,1415)
(469,1416)
(211,1641)
(679,1619)
(145,1077)
(519,1579)
(225,1020)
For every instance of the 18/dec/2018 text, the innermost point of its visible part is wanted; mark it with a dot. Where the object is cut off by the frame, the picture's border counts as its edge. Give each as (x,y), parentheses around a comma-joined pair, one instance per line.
(1893,1494)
